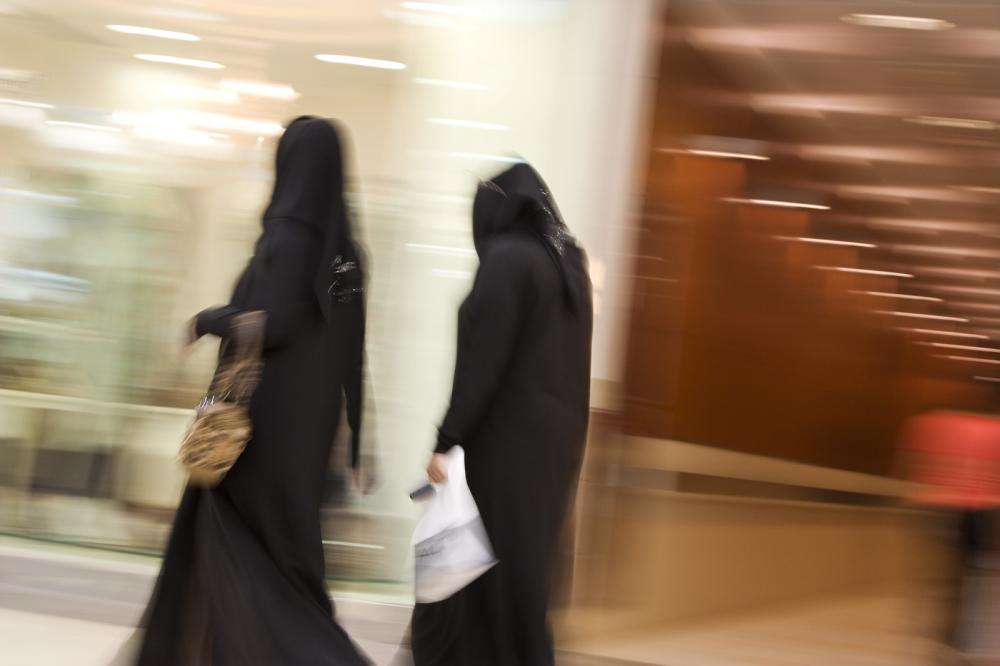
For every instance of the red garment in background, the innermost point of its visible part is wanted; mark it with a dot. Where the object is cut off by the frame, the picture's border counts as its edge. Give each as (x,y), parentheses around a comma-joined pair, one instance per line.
(955,459)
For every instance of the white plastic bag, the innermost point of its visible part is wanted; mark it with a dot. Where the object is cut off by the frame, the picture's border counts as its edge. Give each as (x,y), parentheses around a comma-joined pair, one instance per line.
(450,543)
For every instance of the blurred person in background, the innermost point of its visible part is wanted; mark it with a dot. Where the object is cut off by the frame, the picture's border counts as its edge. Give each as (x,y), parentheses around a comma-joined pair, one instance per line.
(519,408)
(954,460)
(243,577)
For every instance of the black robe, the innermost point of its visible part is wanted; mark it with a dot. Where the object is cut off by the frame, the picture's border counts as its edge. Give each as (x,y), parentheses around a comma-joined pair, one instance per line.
(242,582)
(519,407)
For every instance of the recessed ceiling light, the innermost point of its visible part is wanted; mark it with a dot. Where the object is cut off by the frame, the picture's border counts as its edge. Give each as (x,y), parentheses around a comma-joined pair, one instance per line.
(824,241)
(944,345)
(358,61)
(261,89)
(174,60)
(950,334)
(38,196)
(920,315)
(85,126)
(777,204)
(154,32)
(726,154)
(21,102)
(864,271)
(957,123)
(900,22)
(907,297)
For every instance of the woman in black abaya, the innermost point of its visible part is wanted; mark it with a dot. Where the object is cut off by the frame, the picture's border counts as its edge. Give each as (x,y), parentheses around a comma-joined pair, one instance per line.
(519,408)
(242,582)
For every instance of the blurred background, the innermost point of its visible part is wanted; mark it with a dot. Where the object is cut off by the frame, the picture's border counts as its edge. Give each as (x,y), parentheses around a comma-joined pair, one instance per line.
(790,208)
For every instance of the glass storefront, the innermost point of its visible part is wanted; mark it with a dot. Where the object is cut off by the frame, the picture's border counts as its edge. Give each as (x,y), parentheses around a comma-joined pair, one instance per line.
(131,186)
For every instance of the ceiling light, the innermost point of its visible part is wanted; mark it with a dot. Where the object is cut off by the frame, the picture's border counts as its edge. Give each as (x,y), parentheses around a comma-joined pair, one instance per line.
(907,297)
(470,124)
(174,60)
(824,241)
(777,204)
(154,32)
(951,334)
(972,359)
(864,271)
(261,89)
(900,22)
(919,315)
(445,83)
(85,126)
(441,8)
(360,62)
(957,123)
(486,156)
(21,102)
(726,155)
(38,196)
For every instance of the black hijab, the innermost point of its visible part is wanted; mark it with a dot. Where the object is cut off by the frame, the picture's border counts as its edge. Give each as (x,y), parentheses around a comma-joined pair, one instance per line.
(518,199)
(309,188)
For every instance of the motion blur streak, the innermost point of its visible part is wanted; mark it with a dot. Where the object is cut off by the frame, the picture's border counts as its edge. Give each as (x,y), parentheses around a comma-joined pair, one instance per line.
(791,214)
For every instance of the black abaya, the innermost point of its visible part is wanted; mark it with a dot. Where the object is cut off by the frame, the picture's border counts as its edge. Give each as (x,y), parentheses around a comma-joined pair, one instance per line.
(242,582)
(519,407)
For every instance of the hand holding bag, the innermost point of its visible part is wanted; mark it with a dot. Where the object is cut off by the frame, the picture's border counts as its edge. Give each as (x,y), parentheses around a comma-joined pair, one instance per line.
(451,547)
(221,427)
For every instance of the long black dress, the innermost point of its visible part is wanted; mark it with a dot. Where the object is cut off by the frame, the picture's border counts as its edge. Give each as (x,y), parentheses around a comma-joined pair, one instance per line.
(519,407)
(242,582)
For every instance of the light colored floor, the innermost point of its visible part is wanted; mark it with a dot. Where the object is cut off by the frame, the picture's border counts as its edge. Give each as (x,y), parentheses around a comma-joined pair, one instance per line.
(31,639)
(868,630)
(61,608)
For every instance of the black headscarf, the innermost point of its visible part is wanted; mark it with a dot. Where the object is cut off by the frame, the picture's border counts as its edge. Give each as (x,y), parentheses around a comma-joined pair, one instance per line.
(309,188)
(518,198)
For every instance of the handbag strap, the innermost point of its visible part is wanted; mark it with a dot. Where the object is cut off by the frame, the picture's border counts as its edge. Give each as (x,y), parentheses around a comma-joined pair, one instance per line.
(239,373)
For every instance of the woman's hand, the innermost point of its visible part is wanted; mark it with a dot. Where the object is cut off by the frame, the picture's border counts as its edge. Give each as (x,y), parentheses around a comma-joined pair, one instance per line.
(363,480)
(437,469)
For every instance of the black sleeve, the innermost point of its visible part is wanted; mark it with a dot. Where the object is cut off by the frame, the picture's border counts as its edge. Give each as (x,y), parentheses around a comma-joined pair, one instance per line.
(284,279)
(354,367)
(494,314)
